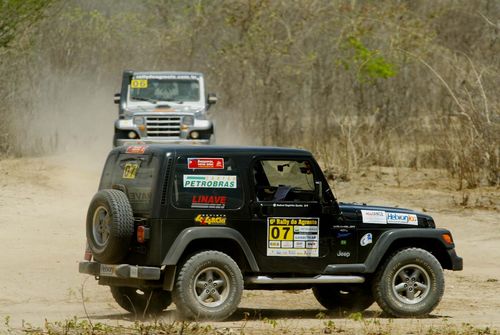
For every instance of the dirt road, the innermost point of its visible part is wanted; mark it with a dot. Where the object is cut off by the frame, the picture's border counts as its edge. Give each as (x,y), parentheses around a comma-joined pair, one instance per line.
(43,203)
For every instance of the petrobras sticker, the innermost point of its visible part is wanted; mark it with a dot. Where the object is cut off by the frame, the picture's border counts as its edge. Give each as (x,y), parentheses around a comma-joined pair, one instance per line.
(209,181)
(366,239)
(373,216)
(402,218)
(206,163)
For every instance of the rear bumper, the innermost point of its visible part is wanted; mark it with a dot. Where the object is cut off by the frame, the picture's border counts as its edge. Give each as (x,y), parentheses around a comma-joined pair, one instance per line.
(124,271)
(457,263)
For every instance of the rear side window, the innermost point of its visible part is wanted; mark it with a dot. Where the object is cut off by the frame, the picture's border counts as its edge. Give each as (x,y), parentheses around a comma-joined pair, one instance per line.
(207,183)
(136,173)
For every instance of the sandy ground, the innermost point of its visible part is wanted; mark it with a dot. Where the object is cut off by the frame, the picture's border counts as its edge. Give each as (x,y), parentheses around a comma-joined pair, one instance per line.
(43,203)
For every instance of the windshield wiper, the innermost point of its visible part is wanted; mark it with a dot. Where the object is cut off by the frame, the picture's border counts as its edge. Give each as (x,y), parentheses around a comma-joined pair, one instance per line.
(153,101)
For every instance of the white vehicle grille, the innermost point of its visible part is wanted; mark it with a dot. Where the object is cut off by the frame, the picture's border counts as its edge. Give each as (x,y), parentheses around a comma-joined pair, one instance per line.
(163,126)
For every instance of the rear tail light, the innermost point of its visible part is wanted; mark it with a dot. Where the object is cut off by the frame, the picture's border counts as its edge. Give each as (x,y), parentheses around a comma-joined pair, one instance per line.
(142,234)
(88,254)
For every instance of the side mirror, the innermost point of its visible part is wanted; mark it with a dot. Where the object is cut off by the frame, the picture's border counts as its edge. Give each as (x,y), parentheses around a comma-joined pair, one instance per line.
(211,98)
(116,98)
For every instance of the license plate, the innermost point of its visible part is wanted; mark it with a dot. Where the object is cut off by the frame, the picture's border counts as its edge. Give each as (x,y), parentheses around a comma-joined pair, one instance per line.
(107,270)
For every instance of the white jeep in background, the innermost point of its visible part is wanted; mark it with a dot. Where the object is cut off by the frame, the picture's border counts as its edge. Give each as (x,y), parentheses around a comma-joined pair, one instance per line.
(163,107)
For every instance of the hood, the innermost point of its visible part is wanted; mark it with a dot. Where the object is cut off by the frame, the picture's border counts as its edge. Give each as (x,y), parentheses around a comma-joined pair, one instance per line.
(362,214)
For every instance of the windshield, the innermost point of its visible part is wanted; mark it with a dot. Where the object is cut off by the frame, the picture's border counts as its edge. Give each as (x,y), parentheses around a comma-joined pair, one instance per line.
(153,90)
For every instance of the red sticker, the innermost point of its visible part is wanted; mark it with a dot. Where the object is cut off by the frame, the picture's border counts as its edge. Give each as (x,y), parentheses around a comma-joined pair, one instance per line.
(208,201)
(206,163)
(136,149)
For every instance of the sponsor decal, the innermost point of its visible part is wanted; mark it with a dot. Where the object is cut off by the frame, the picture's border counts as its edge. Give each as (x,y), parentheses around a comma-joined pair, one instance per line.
(167,76)
(366,239)
(344,227)
(345,254)
(293,236)
(291,205)
(209,181)
(343,242)
(163,109)
(139,196)
(130,170)
(343,234)
(139,83)
(208,201)
(136,149)
(373,216)
(402,218)
(205,163)
(210,219)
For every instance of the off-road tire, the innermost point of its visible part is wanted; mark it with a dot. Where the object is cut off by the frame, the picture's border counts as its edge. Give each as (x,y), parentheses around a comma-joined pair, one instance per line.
(210,268)
(140,302)
(110,226)
(344,298)
(423,276)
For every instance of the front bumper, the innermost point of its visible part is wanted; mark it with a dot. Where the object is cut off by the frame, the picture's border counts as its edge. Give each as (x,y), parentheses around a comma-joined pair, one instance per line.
(457,263)
(124,271)
(120,142)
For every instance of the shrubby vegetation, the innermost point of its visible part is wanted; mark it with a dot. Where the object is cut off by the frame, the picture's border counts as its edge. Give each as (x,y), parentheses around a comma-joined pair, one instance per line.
(360,83)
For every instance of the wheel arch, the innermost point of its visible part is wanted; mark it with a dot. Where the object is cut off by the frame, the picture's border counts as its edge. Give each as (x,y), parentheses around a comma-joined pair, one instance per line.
(432,245)
(223,239)
(391,241)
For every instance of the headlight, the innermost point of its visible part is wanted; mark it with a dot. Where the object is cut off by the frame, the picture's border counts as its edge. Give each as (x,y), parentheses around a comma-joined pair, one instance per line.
(138,120)
(188,120)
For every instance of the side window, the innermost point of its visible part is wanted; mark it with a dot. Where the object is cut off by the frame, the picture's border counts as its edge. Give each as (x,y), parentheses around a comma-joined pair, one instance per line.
(207,183)
(283,180)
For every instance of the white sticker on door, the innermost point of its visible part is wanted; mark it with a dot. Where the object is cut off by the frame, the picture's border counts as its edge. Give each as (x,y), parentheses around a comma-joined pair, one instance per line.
(293,236)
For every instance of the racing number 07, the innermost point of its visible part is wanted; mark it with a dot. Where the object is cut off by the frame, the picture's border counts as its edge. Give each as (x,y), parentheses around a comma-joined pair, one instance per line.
(280,233)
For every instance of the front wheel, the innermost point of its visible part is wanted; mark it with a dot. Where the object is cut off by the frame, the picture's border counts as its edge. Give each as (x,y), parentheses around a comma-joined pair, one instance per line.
(410,284)
(208,287)
(141,302)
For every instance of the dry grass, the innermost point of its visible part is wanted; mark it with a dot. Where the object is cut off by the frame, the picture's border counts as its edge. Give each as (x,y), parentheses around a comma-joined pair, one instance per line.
(354,324)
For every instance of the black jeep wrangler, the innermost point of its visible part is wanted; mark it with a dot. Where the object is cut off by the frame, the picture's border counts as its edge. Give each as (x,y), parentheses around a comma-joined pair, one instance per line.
(197,225)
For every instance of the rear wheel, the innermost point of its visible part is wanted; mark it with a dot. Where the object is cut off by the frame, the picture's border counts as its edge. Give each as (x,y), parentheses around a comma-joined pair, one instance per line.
(208,287)
(410,284)
(141,302)
(344,298)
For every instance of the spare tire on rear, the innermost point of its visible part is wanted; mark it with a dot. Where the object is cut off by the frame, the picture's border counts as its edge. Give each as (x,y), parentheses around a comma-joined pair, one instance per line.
(110,226)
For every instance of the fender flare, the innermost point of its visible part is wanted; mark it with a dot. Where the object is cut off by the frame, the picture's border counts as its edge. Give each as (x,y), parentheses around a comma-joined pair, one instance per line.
(383,244)
(195,233)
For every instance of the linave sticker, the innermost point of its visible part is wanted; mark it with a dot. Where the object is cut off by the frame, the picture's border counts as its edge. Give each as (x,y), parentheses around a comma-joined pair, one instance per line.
(208,201)
(209,181)
(366,239)
(206,163)
(373,216)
